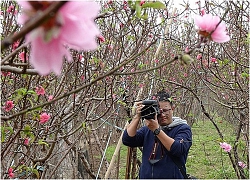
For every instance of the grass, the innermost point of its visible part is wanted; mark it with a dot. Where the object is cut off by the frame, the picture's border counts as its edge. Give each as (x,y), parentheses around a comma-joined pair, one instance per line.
(206,159)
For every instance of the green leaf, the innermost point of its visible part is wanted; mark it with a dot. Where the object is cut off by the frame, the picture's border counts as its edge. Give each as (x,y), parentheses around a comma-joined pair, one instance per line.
(244,74)
(3,132)
(35,171)
(138,9)
(84,125)
(41,142)
(154,5)
(27,129)
(121,102)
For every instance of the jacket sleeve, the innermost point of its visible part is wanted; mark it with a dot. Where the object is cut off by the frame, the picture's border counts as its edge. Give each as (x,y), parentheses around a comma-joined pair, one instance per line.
(136,141)
(183,141)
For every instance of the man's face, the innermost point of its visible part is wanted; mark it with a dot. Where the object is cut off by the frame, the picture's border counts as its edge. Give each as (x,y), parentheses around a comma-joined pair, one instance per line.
(166,113)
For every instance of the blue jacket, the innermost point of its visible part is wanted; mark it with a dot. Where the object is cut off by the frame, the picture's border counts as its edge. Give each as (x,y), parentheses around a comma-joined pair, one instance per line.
(165,168)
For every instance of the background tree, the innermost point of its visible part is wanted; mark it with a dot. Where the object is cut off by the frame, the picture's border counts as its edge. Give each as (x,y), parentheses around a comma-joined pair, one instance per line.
(54,125)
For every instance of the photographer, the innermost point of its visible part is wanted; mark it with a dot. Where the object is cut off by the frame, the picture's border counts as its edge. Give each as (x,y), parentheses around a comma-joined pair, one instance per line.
(163,139)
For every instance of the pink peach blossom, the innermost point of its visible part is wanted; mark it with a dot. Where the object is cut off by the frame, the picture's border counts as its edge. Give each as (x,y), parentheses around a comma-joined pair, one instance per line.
(199,56)
(214,60)
(72,26)
(226,147)
(10,172)
(5,73)
(241,164)
(11,8)
(22,56)
(50,97)
(44,117)
(40,90)
(101,38)
(203,12)
(156,60)
(142,2)
(8,106)
(15,45)
(26,141)
(207,28)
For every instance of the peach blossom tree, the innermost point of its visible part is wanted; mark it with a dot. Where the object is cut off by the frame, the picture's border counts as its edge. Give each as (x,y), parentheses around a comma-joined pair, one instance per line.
(71,72)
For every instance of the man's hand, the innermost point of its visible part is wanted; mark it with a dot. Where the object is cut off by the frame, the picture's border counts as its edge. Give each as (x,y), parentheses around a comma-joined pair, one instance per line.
(152,124)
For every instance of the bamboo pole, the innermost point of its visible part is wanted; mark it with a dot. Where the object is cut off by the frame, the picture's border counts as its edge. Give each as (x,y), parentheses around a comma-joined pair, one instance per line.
(118,146)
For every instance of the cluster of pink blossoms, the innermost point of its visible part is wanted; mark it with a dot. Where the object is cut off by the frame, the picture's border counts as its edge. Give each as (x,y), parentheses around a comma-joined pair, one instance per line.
(10,172)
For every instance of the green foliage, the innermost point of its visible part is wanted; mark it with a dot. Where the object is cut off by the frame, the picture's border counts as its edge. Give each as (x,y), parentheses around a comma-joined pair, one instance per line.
(154,5)
(42,142)
(4,131)
(27,132)
(135,5)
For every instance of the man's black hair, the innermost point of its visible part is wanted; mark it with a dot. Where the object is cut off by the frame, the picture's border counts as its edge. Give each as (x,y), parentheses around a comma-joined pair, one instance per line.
(163,96)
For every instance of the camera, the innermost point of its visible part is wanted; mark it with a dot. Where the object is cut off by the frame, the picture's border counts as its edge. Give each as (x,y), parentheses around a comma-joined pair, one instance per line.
(150,109)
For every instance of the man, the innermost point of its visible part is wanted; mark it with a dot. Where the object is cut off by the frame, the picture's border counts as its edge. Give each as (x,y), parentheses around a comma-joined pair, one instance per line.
(163,138)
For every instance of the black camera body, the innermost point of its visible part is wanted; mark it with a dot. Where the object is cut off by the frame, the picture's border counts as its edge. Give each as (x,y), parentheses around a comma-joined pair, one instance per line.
(150,109)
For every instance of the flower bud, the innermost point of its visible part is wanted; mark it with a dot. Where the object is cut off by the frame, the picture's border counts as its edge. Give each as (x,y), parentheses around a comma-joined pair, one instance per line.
(186,59)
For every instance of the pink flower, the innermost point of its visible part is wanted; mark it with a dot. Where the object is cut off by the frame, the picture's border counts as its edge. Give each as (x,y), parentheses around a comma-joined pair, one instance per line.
(10,172)
(8,106)
(213,60)
(186,49)
(22,56)
(207,28)
(11,9)
(142,2)
(156,60)
(185,74)
(72,26)
(44,117)
(203,12)
(141,85)
(26,141)
(199,56)
(101,38)
(15,45)
(5,73)
(40,90)
(50,97)
(226,147)
(241,164)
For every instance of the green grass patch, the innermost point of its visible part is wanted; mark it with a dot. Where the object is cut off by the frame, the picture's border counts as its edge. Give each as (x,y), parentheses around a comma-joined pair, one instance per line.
(206,159)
